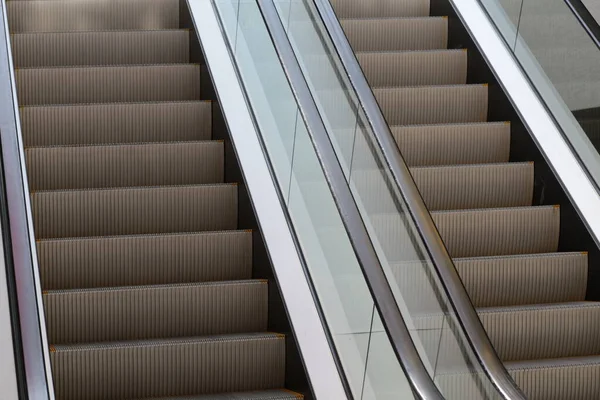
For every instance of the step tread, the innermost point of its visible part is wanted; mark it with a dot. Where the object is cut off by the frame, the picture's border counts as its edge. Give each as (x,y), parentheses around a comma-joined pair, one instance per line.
(127,313)
(414,68)
(447,144)
(125,165)
(438,104)
(475,185)
(412,33)
(282,394)
(96,48)
(167,342)
(345,9)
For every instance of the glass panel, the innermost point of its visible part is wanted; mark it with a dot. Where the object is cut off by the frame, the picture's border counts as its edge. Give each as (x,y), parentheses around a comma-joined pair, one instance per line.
(334,270)
(561,59)
(420,296)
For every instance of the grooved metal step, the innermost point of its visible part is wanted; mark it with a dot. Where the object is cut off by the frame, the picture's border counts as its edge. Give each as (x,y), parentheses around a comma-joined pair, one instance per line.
(100,48)
(82,15)
(82,167)
(70,85)
(475,186)
(433,104)
(500,231)
(393,34)
(145,259)
(477,143)
(131,313)
(524,279)
(130,211)
(538,331)
(254,395)
(116,123)
(558,379)
(170,367)
(381,8)
(414,68)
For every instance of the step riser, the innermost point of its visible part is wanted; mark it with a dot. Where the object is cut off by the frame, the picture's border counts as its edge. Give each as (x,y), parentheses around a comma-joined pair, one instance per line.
(254,395)
(122,166)
(134,211)
(524,280)
(100,48)
(108,84)
(116,123)
(415,68)
(472,187)
(145,260)
(81,15)
(385,8)
(433,105)
(453,144)
(397,34)
(169,370)
(132,314)
(499,232)
(544,333)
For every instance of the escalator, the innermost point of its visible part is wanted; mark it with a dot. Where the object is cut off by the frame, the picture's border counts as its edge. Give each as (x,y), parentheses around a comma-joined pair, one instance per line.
(147,262)
(523,259)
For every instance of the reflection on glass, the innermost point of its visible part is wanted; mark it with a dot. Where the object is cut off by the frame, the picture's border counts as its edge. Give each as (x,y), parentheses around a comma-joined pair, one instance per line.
(334,270)
(562,61)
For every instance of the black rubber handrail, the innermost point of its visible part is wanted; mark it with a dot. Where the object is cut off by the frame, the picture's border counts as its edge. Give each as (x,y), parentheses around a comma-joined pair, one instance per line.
(33,371)
(383,297)
(443,264)
(586,19)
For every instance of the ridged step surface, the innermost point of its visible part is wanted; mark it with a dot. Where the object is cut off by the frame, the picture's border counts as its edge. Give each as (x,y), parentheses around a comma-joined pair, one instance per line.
(476,143)
(116,123)
(414,68)
(558,379)
(81,263)
(392,34)
(83,15)
(70,85)
(524,279)
(131,313)
(255,395)
(475,186)
(82,167)
(381,8)
(433,104)
(62,49)
(501,231)
(543,330)
(154,368)
(130,211)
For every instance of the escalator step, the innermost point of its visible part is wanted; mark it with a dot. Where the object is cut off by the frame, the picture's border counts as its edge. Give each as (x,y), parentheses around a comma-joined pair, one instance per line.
(99,15)
(256,395)
(116,123)
(381,8)
(500,231)
(537,331)
(145,260)
(475,186)
(478,143)
(63,49)
(131,313)
(558,379)
(70,85)
(81,167)
(414,68)
(524,279)
(433,104)
(169,367)
(131,211)
(393,34)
